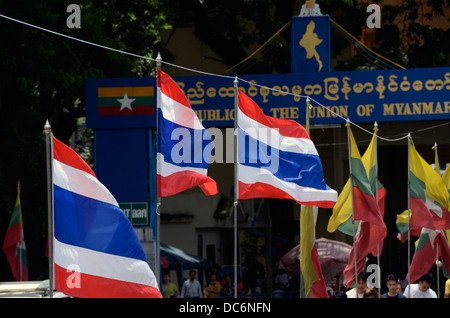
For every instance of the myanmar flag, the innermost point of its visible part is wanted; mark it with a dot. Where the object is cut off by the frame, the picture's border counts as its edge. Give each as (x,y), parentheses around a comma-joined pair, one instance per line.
(424,255)
(365,208)
(126,101)
(312,282)
(446,179)
(341,218)
(428,195)
(14,245)
(402,227)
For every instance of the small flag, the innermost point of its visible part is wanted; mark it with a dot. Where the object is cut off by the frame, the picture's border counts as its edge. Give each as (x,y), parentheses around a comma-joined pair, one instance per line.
(365,208)
(14,245)
(402,227)
(429,197)
(312,281)
(425,254)
(277,159)
(97,253)
(341,218)
(184,145)
(126,101)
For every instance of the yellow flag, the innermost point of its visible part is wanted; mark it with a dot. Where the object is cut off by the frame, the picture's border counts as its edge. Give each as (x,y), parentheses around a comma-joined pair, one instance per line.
(432,181)
(446,178)
(342,211)
(307,239)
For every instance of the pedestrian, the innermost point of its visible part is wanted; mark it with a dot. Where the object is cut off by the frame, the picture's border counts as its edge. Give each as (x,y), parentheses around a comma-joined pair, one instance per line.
(191,287)
(371,293)
(361,286)
(399,287)
(392,286)
(227,289)
(213,288)
(421,289)
(170,290)
(447,289)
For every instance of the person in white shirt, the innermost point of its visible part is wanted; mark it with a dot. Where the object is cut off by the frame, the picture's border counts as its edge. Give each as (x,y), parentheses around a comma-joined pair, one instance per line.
(421,289)
(191,287)
(360,287)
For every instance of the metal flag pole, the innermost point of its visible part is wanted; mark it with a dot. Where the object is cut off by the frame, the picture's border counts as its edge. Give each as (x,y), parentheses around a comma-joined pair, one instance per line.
(437,268)
(375,128)
(236,182)
(158,165)
(409,220)
(21,233)
(353,212)
(49,151)
(438,170)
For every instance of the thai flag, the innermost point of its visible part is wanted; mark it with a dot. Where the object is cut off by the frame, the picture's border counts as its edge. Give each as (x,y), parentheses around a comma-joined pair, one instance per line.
(96,250)
(277,159)
(184,145)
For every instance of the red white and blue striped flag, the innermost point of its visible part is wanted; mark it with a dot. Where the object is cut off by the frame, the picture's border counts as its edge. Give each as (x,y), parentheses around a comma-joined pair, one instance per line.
(184,145)
(277,159)
(97,253)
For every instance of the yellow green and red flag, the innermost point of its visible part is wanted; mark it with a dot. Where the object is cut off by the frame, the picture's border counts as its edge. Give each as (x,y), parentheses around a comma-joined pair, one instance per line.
(341,219)
(428,195)
(312,280)
(365,208)
(126,101)
(14,244)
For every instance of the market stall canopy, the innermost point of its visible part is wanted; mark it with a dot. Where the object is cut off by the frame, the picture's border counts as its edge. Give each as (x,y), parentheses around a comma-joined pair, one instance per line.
(175,256)
(333,257)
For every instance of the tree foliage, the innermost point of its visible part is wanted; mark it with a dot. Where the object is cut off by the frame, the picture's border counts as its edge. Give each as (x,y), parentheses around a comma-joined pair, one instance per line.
(42,76)
(234,28)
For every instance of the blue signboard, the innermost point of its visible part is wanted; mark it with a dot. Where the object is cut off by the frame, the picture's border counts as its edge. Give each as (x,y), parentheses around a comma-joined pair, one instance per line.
(361,96)
(310,44)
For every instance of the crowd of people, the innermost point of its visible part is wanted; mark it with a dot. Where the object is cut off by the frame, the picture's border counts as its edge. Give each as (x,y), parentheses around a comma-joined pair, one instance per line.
(223,286)
(421,289)
(220,283)
(192,288)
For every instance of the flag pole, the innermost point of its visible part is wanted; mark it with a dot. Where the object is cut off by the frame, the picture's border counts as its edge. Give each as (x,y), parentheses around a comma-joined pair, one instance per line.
(236,182)
(437,268)
(353,212)
(49,151)
(158,166)
(438,170)
(409,221)
(375,128)
(21,233)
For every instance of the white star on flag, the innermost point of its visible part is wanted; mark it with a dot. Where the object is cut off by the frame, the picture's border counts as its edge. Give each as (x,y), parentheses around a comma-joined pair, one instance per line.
(125,102)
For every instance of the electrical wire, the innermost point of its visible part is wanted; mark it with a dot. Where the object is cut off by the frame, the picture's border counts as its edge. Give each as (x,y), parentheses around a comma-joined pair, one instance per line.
(361,50)
(282,29)
(363,45)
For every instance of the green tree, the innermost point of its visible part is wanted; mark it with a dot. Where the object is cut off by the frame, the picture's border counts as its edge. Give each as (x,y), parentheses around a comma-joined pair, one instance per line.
(234,28)
(42,76)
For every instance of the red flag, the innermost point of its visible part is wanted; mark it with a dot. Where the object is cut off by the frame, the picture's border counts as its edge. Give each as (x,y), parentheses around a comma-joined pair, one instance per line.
(444,248)
(425,254)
